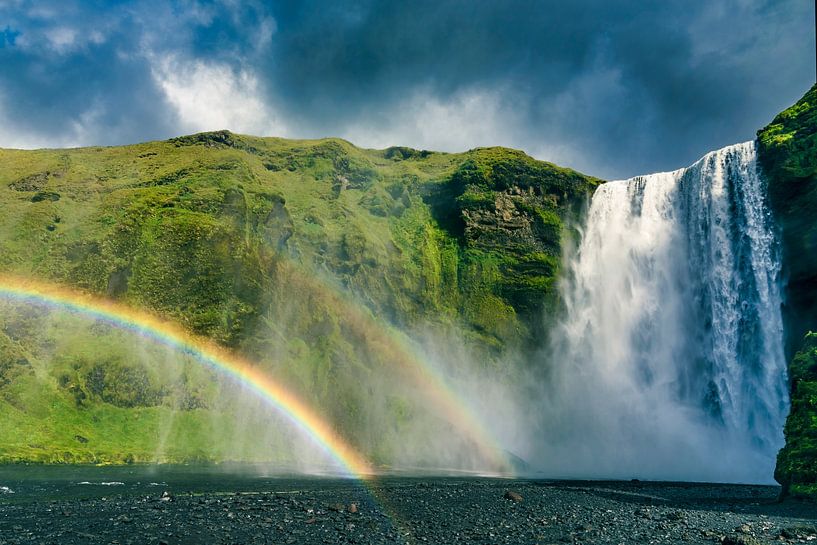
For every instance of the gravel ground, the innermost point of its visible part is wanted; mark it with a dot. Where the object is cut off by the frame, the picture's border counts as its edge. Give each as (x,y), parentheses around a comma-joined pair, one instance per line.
(216,510)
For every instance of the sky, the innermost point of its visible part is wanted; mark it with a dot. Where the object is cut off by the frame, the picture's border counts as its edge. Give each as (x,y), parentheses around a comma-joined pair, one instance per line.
(613,88)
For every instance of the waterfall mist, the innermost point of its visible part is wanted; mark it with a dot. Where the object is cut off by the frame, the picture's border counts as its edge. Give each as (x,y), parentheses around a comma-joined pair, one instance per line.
(665,360)
(668,362)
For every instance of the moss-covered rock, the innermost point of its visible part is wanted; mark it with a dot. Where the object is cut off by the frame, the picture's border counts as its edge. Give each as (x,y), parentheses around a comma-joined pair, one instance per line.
(788,154)
(510,213)
(797,462)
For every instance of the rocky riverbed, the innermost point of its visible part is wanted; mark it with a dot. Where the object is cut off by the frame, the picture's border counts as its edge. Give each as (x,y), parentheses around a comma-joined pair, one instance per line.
(197,508)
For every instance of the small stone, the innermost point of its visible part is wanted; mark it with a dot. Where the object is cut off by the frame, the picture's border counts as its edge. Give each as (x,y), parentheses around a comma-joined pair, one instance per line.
(313,520)
(675,516)
(513,496)
(643,513)
(738,540)
(167,496)
(353,508)
(798,532)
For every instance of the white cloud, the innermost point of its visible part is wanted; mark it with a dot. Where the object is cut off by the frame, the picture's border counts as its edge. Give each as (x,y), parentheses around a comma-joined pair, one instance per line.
(470,119)
(85,129)
(267,26)
(75,134)
(213,96)
(465,121)
(61,39)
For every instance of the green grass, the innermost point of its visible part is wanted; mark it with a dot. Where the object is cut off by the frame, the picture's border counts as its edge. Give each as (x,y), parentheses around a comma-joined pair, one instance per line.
(788,154)
(309,257)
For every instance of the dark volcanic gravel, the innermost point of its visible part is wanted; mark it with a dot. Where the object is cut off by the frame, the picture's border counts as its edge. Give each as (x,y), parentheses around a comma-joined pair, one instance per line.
(214,509)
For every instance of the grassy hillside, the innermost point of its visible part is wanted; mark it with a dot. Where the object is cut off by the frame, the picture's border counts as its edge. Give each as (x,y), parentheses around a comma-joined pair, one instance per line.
(788,152)
(317,259)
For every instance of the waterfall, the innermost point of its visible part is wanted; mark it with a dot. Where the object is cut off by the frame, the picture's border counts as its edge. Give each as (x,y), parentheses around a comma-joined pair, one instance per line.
(669,360)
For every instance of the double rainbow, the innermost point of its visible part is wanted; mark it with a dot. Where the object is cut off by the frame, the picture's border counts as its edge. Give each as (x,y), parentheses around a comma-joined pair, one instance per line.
(206,352)
(414,367)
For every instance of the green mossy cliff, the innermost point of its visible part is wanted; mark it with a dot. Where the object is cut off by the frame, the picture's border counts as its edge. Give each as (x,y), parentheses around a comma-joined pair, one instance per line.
(318,260)
(797,462)
(309,257)
(788,155)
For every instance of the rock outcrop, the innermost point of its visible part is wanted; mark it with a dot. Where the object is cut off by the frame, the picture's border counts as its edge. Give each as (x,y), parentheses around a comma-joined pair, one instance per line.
(788,153)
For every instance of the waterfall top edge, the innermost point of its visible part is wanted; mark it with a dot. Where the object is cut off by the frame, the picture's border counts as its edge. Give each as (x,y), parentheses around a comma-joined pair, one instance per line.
(741,146)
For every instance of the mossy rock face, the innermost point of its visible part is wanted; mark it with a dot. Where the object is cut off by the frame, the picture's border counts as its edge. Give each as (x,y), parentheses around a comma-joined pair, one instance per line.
(511,214)
(797,462)
(315,259)
(788,154)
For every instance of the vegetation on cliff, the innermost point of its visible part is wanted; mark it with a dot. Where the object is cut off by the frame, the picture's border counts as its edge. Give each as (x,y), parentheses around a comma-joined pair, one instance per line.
(788,154)
(313,258)
(797,463)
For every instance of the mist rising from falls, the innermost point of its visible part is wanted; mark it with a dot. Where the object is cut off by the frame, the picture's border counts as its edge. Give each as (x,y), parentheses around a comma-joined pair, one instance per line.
(669,362)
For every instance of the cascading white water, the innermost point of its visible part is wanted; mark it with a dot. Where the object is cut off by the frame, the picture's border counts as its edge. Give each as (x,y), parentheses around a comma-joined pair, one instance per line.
(669,361)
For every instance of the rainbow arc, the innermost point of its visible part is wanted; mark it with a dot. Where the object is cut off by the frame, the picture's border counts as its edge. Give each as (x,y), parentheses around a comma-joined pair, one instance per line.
(299,413)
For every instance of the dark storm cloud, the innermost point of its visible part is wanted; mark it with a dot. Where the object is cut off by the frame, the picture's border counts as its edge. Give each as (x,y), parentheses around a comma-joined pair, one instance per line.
(629,86)
(610,87)
(67,68)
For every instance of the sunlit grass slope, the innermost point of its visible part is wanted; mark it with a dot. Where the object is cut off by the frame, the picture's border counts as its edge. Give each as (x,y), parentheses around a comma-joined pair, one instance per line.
(317,259)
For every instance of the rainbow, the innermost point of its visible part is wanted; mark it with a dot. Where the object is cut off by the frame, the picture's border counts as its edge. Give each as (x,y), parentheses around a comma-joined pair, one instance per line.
(415,368)
(208,353)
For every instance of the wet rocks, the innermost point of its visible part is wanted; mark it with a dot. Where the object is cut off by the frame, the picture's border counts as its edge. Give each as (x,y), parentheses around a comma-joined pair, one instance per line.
(744,529)
(33,182)
(739,540)
(443,511)
(799,532)
(40,196)
(515,497)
